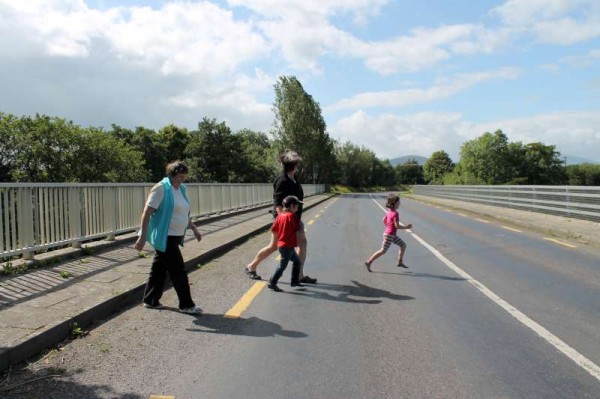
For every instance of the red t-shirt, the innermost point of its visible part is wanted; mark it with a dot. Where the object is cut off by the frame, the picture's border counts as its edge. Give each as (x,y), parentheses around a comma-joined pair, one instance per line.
(286,226)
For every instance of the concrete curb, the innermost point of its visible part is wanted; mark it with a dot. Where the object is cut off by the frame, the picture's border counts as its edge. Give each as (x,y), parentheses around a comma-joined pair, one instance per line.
(53,334)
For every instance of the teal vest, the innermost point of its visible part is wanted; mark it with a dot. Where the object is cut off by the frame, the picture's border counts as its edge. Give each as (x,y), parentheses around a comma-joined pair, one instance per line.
(158,227)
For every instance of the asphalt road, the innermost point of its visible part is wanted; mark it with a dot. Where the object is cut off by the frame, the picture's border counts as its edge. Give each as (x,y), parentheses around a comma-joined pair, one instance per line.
(482,312)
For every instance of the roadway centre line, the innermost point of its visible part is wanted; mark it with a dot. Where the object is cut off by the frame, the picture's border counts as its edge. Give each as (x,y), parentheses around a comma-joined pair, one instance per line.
(560,242)
(245,301)
(511,229)
(481,220)
(237,309)
(161,397)
(582,361)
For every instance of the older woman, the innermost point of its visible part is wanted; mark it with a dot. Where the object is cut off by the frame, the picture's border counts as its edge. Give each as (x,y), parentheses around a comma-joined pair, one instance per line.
(286,184)
(165,219)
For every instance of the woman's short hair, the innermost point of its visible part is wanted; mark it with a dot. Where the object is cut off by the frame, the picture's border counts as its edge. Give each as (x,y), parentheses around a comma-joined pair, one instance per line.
(391,200)
(175,167)
(289,160)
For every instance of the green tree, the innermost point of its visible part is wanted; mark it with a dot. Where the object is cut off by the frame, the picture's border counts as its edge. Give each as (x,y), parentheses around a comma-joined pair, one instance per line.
(212,153)
(354,165)
(486,159)
(382,173)
(257,160)
(8,136)
(153,150)
(410,172)
(585,174)
(101,157)
(300,126)
(44,149)
(174,140)
(437,166)
(544,165)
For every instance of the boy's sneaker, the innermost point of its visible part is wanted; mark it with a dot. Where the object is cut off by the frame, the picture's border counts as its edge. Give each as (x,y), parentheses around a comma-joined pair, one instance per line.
(191,310)
(308,280)
(157,306)
(274,287)
(296,284)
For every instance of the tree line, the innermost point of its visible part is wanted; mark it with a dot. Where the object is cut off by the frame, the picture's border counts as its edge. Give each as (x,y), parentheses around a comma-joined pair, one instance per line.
(50,149)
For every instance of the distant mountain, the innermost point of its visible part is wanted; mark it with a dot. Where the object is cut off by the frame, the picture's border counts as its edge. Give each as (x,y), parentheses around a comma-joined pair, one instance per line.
(402,160)
(572,160)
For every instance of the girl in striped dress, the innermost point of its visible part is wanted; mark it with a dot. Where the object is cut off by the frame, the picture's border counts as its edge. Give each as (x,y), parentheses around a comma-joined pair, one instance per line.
(392,223)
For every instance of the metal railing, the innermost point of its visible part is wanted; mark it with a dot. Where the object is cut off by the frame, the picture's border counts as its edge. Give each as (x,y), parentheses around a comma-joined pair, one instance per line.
(39,216)
(580,202)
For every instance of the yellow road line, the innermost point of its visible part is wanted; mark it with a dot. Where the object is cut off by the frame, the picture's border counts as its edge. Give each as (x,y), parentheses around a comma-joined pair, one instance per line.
(511,229)
(161,397)
(482,221)
(278,257)
(560,242)
(310,222)
(461,214)
(245,301)
(317,215)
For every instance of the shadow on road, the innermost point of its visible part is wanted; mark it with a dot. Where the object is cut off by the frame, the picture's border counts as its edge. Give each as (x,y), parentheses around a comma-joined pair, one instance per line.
(252,327)
(52,383)
(418,274)
(346,292)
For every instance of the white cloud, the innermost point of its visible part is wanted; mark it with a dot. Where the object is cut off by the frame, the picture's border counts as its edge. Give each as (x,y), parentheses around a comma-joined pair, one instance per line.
(391,136)
(178,38)
(400,98)
(553,21)
(582,61)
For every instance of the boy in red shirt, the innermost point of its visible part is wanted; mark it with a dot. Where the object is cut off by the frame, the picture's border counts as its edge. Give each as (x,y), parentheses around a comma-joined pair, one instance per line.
(285,227)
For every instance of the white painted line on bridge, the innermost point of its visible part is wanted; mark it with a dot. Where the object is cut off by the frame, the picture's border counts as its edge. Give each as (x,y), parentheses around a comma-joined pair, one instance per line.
(592,368)
(560,242)
(511,229)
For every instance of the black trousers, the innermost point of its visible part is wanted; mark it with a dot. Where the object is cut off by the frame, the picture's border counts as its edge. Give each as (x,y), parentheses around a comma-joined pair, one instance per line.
(169,261)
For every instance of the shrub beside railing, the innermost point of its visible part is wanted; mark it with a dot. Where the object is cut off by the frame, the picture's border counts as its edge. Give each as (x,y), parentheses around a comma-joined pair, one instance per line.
(580,202)
(37,216)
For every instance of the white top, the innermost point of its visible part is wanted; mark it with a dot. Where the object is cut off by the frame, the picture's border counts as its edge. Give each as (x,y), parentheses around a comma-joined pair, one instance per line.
(181,209)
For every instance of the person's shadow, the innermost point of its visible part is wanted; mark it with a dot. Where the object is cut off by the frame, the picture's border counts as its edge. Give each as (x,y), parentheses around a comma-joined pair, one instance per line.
(419,274)
(349,293)
(251,327)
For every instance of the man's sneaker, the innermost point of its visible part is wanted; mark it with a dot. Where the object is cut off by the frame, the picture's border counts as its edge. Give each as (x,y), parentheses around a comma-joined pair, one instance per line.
(296,284)
(191,310)
(274,287)
(157,306)
(308,280)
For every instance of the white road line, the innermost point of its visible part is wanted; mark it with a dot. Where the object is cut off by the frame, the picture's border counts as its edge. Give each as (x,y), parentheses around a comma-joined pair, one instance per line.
(560,242)
(552,339)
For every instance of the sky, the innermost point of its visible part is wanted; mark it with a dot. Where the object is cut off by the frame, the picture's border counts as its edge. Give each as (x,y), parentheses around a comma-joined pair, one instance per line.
(399,77)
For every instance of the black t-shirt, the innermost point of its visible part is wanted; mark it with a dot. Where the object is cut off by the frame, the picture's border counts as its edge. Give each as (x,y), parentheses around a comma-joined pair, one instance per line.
(284,186)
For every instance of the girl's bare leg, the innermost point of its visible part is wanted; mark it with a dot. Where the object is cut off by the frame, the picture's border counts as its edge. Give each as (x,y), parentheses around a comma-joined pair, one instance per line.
(263,253)
(301,249)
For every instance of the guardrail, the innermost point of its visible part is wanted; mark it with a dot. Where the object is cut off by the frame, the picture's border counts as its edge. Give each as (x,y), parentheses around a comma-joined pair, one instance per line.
(39,216)
(580,202)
